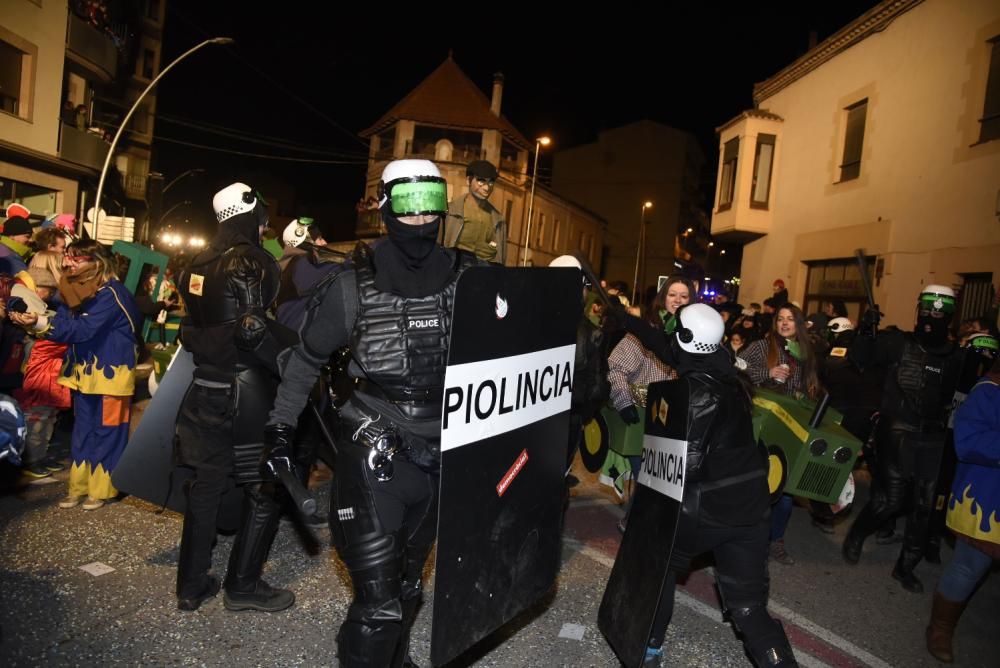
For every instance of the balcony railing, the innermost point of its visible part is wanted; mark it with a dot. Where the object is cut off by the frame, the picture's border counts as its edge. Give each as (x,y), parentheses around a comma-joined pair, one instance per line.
(92,45)
(82,147)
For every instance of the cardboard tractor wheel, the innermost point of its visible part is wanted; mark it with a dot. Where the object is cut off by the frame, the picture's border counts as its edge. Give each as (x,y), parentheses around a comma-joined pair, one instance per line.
(596,441)
(810,454)
(777,472)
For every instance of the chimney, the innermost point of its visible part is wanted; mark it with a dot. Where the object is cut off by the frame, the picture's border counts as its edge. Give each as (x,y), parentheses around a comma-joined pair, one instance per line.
(497,94)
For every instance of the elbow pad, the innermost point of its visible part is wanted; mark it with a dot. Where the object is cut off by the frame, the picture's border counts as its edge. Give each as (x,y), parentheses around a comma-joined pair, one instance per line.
(251,330)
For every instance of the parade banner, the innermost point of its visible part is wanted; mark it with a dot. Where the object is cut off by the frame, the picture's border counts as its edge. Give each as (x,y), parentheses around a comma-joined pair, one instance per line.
(504,439)
(632,595)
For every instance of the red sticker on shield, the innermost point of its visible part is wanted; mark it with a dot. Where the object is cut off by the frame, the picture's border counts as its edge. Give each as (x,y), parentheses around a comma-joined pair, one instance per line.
(512,472)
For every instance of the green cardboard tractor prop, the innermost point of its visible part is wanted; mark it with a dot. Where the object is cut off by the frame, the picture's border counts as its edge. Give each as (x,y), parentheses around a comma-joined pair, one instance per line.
(809,453)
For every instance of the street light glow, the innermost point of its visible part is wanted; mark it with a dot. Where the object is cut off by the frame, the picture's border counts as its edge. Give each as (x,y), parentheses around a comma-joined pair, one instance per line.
(539,143)
(648,205)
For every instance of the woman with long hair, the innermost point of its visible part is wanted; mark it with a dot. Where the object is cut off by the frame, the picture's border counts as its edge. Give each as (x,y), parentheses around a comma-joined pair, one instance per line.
(631,367)
(783,361)
(98,319)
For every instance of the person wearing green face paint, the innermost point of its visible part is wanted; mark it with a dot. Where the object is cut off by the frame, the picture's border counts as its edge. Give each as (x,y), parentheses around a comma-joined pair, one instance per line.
(783,361)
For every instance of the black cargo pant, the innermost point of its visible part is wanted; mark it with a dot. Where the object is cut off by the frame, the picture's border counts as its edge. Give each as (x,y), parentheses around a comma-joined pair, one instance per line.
(741,574)
(205,443)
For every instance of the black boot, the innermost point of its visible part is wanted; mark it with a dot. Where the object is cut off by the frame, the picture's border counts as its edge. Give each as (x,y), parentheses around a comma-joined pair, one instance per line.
(903,572)
(245,590)
(853,545)
(194,584)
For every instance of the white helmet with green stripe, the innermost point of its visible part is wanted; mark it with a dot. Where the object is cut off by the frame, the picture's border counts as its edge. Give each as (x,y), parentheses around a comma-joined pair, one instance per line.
(937,299)
(413,188)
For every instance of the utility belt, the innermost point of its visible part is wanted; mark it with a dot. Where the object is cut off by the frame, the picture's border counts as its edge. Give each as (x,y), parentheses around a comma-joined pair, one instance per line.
(417,405)
(369,429)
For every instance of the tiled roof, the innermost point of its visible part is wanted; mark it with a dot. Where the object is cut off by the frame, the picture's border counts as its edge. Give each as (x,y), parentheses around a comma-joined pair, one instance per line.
(750,113)
(448,97)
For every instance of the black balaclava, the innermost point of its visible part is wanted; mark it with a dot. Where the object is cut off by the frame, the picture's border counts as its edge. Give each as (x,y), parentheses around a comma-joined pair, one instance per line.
(243,227)
(411,263)
(931,331)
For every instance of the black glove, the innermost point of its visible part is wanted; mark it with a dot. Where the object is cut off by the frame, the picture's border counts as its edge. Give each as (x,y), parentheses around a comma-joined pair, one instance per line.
(278,450)
(613,317)
(629,414)
(869,322)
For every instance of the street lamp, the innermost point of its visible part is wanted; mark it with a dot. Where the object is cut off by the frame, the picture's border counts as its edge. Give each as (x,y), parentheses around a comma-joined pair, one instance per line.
(539,143)
(128,117)
(196,170)
(639,249)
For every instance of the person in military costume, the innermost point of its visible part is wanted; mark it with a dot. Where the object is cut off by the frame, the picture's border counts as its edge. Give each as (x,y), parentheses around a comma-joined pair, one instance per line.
(392,305)
(725,508)
(227,290)
(472,223)
(921,372)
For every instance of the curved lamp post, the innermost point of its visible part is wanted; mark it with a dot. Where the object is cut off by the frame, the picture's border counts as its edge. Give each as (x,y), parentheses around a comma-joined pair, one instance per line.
(539,143)
(639,249)
(128,117)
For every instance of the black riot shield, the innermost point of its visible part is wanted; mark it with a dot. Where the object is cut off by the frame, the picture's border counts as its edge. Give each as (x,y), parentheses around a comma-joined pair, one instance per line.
(633,591)
(144,469)
(503,449)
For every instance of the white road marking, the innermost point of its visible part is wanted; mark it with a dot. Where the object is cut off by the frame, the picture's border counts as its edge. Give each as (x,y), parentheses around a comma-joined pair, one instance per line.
(715,615)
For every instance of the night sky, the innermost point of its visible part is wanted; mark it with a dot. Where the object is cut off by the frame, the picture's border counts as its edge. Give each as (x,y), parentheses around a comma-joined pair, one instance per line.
(308,80)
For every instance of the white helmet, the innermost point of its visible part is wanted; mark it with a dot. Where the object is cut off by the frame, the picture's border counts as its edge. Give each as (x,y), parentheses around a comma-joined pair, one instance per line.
(413,188)
(233,200)
(699,329)
(840,324)
(296,232)
(566,261)
(937,298)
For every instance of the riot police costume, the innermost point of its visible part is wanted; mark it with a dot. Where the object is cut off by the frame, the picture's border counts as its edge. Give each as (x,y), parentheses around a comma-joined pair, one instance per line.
(392,305)
(227,289)
(725,507)
(922,371)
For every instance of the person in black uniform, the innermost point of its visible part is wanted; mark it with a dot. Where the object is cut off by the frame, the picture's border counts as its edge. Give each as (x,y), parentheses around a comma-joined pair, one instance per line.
(392,305)
(921,372)
(725,508)
(227,290)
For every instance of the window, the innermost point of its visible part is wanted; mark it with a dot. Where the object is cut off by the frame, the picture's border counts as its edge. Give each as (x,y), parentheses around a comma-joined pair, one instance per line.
(989,124)
(854,139)
(762,161)
(15,80)
(148,63)
(140,120)
(837,281)
(153,10)
(541,231)
(727,184)
(555,235)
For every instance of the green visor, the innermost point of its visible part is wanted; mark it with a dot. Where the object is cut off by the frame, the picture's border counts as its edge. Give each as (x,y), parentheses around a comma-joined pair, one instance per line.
(418,196)
(937,302)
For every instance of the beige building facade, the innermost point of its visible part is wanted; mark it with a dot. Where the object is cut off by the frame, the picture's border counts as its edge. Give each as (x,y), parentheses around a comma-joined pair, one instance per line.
(67,79)
(885,137)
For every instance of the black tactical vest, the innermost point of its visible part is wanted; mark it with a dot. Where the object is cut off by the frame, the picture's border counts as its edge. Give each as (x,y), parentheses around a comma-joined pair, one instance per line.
(401,343)
(924,384)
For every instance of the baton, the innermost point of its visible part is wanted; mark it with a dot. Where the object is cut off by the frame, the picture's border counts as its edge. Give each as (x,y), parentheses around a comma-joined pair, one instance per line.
(859,254)
(303,501)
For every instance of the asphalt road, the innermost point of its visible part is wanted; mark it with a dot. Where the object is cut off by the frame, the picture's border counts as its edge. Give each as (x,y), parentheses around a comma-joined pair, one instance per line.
(53,613)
